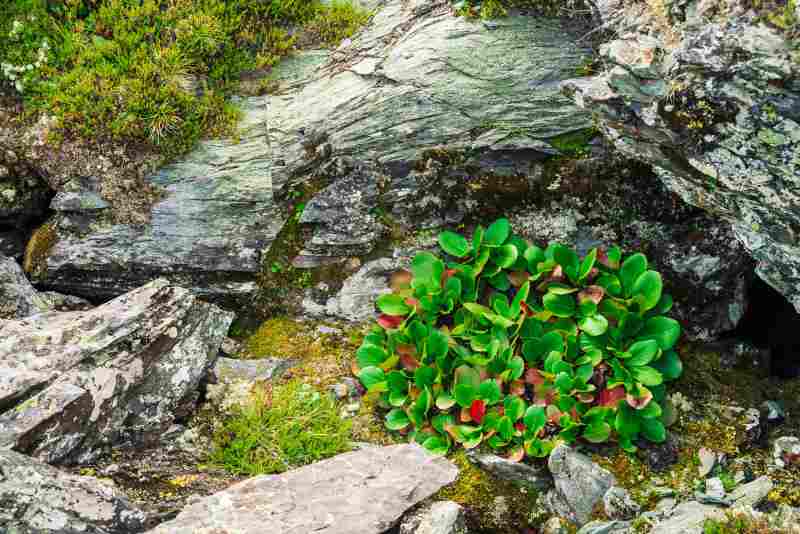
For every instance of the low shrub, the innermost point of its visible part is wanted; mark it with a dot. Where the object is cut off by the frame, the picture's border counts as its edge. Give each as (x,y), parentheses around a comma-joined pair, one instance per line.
(517,347)
(284,427)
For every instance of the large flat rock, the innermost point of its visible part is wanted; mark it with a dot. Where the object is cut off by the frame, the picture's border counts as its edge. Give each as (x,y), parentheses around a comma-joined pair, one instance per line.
(72,382)
(361,492)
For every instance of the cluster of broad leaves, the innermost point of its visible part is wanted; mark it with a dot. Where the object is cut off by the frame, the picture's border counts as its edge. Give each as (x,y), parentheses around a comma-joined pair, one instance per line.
(518,347)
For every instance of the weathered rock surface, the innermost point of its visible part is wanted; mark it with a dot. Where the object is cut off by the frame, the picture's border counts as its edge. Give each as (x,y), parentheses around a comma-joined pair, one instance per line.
(711,99)
(752,493)
(22,198)
(441,517)
(522,474)
(12,243)
(18,298)
(38,499)
(687,518)
(579,485)
(619,504)
(361,492)
(73,382)
(606,527)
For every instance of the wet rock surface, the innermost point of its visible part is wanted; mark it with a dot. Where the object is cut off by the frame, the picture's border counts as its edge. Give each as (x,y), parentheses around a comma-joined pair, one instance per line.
(74,382)
(38,499)
(361,492)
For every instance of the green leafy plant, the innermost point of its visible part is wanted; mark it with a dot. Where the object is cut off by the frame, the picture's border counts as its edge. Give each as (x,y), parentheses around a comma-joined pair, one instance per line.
(517,347)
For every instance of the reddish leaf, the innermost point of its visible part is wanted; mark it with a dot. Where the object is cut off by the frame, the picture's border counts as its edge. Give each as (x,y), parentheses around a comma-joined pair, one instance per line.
(553,414)
(400,280)
(534,377)
(592,274)
(586,398)
(517,278)
(602,257)
(477,410)
(639,402)
(520,426)
(556,275)
(465,415)
(610,397)
(526,309)
(516,454)
(517,388)
(593,293)
(390,322)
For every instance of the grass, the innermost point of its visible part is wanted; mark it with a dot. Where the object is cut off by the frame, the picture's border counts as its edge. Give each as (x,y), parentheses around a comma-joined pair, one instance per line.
(284,427)
(745,523)
(157,72)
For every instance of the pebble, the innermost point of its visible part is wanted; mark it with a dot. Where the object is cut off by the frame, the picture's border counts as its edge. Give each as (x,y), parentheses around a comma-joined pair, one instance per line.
(708,459)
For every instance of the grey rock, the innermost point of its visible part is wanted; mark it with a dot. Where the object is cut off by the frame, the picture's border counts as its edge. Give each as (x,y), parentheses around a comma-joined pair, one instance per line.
(22,198)
(718,117)
(18,298)
(38,499)
(715,488)
(752,493)
(521,474)
(687,518)
(619,504)
(73,382)
(786,451)
(84,201)
(361,492)
(441,517)
(606,527)
(230,347)
(229,370)
(708,459)
(772,412)
(579,485)
(60,302)
(12,244)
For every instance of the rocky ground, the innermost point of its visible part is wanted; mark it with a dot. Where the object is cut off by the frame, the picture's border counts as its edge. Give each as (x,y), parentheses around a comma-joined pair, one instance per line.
(145,313)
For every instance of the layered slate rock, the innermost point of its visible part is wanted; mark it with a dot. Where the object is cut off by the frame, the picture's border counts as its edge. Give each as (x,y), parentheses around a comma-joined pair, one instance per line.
(415,106)
(18,298)
(73,382)
(361,492)
(711,98)
(36,498)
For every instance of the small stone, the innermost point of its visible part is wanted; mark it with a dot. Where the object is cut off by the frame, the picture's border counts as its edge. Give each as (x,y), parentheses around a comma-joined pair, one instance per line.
(230,347)
(340,391)
(752,493)
(322,329)
(715,488)
(666,504)
(772,412)
(443,517)
(708,459)
(619,504)
(786,451)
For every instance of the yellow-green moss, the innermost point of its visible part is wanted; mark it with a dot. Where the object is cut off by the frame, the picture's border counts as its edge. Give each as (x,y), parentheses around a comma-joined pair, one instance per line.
(39,246)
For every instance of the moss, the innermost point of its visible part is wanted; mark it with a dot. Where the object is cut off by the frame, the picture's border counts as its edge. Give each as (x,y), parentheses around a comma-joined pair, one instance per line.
(740,522)
(575,144)
(39,246)
(492,505)
(338,21)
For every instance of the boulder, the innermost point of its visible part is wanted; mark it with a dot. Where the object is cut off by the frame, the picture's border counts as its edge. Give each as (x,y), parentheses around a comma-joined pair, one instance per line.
(710,99)
(361,492)
(441,517)
(36,498)
(18,298)
(73,382)
(580,484)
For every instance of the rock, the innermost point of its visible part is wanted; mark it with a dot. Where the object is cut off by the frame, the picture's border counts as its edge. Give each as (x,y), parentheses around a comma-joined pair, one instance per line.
(73,382)
(361,492)
(355,301)
(659,456)
(708,459)
(555,525)
(442,517)
(229,370)
(687,518)
(22,198)
(714,109)
(60,302)
(12,244)
(772,412)
(619,504)
(747,422)
(37,498)
(606,527)
(715,488)
(18,298)
(786,451)
(230,347)
(522,474)
(752,493)
(579,485)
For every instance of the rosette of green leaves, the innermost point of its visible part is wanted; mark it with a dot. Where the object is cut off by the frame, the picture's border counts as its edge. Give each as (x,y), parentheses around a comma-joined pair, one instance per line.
(518,347)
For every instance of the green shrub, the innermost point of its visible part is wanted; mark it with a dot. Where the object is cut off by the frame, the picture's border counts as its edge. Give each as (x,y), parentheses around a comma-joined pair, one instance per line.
(518,347)
(286,426)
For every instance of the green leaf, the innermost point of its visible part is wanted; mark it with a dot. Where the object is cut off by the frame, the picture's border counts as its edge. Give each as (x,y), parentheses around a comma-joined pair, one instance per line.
(445,401)
(642,353)
(559,305)
(397,399)
(647,290)
(664,330)
(441,421)
(653,409)
(392,304)
(538,348)
(427,270)
(669,365)
(500,281)
(437,445)
(564,383)
(653,429)
(505,256)
(516,367)
(454,244)
(489,391)
(519,298)
(597,432)
(611,283)
(535,418)
(477,240)
(646,375)
(631,269)
(465,374)
(423,403)
(626,423)
(497,233)
(664,304)
(533,255)
(397,419)
(505,427)
(587,264)
(464,394)
(568,259)
(437,344)
(594,325)
(372,376)
(514,407)
(370,356)
(424,377)
(397,382)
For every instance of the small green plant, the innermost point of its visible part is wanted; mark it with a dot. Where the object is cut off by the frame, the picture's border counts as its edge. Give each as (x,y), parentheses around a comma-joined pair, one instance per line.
(517,347)
(276,267)
(283,427)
